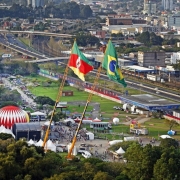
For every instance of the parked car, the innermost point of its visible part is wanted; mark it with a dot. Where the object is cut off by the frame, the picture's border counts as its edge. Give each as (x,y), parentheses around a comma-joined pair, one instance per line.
(86,154)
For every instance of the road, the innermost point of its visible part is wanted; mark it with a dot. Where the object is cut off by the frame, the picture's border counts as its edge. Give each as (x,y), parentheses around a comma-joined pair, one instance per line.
(27,99)
(11,42)
(135,85)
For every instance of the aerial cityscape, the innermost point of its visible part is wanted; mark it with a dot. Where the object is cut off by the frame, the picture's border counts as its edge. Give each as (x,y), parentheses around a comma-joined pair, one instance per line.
(89,90)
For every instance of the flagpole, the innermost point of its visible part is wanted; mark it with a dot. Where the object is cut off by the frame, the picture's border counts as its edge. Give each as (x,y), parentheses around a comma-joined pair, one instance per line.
(59,95)
(70,156)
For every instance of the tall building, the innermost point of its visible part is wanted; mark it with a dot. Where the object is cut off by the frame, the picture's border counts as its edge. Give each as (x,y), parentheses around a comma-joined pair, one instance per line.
(147,59)
(167,4)
(149,7)
(29,2)
(37,3)
(174,20)
(22,2)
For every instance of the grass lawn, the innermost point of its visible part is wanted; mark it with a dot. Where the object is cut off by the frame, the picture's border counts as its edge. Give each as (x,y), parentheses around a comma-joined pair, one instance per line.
(159,127)
(155,126)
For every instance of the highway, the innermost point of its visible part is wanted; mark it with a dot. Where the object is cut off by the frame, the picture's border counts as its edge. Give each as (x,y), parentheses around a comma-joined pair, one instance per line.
(149,89)
(37,33)
(10,41)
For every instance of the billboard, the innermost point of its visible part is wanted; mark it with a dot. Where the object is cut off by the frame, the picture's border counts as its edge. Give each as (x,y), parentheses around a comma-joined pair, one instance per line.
(6,55)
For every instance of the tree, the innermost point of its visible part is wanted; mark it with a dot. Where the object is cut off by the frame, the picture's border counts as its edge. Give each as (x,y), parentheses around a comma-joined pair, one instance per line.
(171,123)
(58,116)
(168,142)
(102,175)
(5,136)
(44,100)
(85,11)
(176,66)
(134,154)
(167,167)
(144,38)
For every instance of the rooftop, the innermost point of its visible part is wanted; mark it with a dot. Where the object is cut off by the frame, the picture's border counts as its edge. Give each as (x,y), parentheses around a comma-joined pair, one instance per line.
(150,102)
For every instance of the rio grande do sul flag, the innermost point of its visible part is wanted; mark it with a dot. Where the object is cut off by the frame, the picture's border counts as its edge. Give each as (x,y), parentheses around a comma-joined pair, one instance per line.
(79,63)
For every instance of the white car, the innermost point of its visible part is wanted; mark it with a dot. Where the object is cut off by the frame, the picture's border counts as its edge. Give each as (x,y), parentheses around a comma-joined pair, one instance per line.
(86,154)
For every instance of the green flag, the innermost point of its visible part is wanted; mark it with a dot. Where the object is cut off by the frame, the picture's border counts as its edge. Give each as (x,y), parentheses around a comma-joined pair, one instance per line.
(111,65)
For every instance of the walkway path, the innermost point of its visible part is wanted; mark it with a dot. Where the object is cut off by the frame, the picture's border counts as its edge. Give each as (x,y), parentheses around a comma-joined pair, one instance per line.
(96,107)
(139,119)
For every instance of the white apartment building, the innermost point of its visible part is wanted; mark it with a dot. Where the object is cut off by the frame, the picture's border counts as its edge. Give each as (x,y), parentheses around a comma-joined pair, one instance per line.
(167,4)
(37,3)
(174,20)
(175,57)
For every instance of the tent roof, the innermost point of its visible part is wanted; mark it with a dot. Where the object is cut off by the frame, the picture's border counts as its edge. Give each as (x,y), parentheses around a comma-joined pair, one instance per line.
(39,143)
(120,151)
(165,136)
(38,113)
(49,145)
(28,126)
(31,141)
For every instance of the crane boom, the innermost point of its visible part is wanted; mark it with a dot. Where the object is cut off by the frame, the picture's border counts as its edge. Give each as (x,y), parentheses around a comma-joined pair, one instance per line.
(70,156)
(56,102)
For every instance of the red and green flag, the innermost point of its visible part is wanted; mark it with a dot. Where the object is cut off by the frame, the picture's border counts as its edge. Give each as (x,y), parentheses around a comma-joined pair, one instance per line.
(79,63)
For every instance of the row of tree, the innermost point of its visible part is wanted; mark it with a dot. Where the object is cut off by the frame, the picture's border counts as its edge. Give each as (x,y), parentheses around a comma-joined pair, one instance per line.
(22,162)
(70,10)
(18,67)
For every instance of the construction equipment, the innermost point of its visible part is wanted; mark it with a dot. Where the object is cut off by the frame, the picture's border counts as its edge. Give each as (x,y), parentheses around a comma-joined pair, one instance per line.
(70,156)
(56,102)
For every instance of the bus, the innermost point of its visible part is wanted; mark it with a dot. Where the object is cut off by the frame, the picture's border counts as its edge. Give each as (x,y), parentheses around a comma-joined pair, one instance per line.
(100,125)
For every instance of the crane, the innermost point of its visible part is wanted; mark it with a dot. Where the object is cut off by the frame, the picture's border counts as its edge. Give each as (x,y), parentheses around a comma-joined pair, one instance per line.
(56,102)
(70,156)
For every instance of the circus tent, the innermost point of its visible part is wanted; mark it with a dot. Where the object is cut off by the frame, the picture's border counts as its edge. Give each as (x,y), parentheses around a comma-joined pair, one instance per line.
(9,115)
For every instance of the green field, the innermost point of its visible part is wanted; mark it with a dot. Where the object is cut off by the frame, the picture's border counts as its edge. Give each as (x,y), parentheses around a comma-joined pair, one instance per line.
(155,127)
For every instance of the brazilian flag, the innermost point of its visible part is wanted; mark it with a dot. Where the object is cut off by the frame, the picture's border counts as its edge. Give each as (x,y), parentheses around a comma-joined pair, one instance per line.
(111,65)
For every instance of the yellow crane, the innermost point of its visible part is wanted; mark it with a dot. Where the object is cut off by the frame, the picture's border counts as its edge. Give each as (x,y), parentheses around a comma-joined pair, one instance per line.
(70,156)
(56,102)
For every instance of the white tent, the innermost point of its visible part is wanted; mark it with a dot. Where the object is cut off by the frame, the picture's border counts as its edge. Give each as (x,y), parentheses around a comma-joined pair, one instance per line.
(97,120)
(39,143)
(115,142)
(6,131)
(48,122)
(38,113)
(49,145)
(31,142)
(120,151)
(165,136)
(90,135)
(1,128)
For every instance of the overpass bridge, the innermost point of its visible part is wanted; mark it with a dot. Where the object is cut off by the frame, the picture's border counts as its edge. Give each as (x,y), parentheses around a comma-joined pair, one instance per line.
(37,33)
(48,60)
(22,50)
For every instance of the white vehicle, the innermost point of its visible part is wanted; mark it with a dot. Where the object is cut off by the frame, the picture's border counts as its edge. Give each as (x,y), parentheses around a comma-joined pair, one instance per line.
(6,55)
(86,154)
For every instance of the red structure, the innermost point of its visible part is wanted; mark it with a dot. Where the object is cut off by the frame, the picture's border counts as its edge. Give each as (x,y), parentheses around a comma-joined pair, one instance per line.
(9,115)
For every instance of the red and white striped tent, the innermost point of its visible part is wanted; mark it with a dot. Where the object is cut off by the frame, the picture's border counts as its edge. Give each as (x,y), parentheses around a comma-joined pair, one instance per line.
(9,115)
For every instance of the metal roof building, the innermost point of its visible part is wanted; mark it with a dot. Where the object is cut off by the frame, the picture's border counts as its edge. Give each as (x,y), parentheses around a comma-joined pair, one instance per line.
(27,130)
(149,102)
